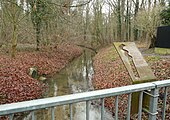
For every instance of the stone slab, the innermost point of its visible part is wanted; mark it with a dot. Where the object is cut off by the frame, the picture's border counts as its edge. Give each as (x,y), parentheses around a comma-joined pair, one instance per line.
(134,62)
(138,70)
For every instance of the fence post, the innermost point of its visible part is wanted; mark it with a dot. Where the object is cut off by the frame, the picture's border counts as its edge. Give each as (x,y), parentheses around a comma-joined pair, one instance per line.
(153,103)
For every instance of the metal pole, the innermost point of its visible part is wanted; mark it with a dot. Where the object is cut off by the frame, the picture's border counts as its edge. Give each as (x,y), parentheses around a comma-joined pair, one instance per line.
(11,117)
(153,103)
(129,106)
(87,110)
(140,105)
(33,115)
(164,103)
(102,109)
(116,107)
(71,111)
(52,113)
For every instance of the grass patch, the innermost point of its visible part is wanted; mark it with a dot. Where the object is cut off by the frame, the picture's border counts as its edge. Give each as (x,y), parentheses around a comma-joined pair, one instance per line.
(111,55)
(152,58)
(163,51)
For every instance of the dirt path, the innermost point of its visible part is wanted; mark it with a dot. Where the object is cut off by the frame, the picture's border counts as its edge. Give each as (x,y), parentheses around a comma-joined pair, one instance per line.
(150,52)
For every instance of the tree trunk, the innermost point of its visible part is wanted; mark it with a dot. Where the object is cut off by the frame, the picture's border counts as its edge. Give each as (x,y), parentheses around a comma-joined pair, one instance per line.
(38,36)
(162,2)
(14,40)
(153,40)
(136,11)
(123,29)
(36,10)
(127,21)
(14,31)
(142,4)
(86,22)
(119,21)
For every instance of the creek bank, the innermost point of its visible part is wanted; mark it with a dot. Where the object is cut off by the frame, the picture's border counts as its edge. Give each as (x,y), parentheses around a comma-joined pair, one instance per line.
(16,85)
(109,72)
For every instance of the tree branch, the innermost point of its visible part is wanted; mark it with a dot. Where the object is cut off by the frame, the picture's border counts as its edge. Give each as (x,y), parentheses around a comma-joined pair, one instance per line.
(69,6)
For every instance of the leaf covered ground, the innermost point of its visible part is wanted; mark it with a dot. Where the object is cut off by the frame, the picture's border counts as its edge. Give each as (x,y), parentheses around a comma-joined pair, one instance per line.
(15,83)
(110,72)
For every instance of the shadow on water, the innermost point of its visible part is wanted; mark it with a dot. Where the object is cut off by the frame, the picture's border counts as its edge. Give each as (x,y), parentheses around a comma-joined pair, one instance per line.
(75,78)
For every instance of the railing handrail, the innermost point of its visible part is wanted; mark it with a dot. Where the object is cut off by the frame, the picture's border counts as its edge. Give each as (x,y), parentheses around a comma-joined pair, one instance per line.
(32,105)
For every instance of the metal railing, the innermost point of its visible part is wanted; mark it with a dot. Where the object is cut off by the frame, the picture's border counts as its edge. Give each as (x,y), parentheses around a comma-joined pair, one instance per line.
(33,105)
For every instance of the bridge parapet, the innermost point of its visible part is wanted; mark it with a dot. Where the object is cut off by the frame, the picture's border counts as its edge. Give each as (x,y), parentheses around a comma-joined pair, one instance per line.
(33,105)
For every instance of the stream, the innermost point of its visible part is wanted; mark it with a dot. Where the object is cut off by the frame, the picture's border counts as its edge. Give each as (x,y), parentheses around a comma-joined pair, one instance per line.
(76,77)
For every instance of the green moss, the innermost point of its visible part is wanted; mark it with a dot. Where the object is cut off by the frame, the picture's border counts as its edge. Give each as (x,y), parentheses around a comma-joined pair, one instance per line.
(143,81)
(152,58)
(111,55)
(164,51)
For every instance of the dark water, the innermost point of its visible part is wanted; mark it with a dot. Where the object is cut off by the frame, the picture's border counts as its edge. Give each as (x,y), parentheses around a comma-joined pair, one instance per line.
(75,78)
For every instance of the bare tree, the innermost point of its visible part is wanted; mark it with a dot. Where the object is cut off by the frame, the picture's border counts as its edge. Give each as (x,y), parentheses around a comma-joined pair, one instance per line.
(11,17)
(148,21)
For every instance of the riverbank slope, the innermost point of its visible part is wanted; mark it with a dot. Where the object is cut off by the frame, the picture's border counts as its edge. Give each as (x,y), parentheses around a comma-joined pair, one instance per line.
(109,72)
(15,83)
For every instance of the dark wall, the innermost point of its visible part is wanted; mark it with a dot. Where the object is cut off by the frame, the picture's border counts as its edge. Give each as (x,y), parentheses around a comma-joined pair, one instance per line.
(163,37)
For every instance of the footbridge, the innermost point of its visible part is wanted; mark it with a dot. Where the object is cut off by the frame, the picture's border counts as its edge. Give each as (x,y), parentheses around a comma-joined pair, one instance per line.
(150,88)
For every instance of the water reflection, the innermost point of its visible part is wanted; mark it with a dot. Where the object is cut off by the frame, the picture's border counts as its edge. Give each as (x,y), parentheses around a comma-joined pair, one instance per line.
(75,78)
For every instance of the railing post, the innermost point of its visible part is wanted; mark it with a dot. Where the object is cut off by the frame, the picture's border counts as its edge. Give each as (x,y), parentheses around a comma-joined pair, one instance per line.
(52,113)
(33,115)
(11,117)
(87,110)
(102,109)
(164,103)
(153,103)
(71,111)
